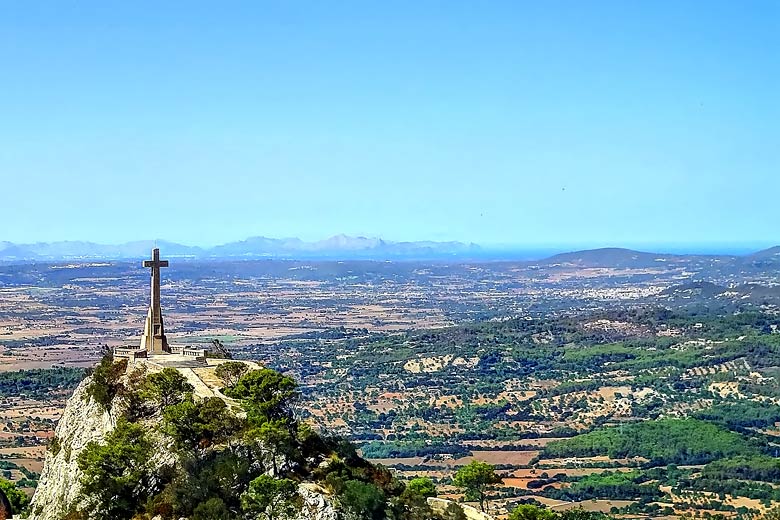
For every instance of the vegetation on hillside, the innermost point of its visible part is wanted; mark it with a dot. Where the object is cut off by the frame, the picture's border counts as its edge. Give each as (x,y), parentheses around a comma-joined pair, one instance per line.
(18,499)
(535,512)
(760,468)
(658,387)
(476,479)
(674,354)
(666,441)
(106,381)
(742,415)
(39,383)
(226,465)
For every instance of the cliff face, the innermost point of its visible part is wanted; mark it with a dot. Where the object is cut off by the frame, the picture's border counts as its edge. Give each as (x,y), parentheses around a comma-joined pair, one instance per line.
(316,504)
(82,422)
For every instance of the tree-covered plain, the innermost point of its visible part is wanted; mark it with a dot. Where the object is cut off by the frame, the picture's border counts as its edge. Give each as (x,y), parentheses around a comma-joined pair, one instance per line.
(664,441)
(659,387)
(39,383)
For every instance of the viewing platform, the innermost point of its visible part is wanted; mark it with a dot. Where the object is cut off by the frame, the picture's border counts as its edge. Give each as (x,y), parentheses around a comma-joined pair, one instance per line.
(180,356)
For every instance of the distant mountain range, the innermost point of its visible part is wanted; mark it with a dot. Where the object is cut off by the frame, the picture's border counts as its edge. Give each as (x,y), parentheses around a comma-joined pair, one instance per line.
(336,247)
(343,247)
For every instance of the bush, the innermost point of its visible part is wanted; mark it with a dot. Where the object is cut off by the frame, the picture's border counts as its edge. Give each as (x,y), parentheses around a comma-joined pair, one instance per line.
(116,478)
(105,384)
(363,500)
(198,425)
(422,486)
(222,474)
(270,498)
(266,395)
(531,512)
(212,509)
(454,512)
(55,445)
(17,498)
(166,388)
(231,371)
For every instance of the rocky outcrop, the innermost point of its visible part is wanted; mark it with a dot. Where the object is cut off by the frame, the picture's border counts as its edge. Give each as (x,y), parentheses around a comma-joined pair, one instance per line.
(317,505)
(82,422)
(439,506)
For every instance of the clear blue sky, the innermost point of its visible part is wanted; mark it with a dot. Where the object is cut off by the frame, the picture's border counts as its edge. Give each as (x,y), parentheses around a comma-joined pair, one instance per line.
(531,123)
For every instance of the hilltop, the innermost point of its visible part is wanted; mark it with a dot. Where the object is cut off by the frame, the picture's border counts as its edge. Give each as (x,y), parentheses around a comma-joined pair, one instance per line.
(141,442)
(767,255)
(607,257)
(622,258)
(617,257)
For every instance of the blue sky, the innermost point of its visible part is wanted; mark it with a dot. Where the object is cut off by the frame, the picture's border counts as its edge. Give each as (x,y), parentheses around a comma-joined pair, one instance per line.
(528,123)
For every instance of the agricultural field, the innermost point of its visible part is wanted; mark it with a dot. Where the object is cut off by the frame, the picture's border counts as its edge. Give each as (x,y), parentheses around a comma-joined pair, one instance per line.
(625,390)
(31,402)
(624,412)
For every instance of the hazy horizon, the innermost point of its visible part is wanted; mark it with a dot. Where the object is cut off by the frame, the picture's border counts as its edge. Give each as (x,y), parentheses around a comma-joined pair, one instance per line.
(515,250)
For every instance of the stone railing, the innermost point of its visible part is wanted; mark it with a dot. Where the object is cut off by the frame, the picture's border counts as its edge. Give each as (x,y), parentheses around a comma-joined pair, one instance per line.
(131,353)
(188,351)
(439,505)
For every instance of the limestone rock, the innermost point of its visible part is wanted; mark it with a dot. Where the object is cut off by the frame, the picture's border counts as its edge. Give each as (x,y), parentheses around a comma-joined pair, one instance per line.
(316,504)
(82,422)
(439,506)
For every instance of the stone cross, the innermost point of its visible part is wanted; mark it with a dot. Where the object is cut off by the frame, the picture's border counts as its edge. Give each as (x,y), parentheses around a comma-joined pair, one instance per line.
(154,340)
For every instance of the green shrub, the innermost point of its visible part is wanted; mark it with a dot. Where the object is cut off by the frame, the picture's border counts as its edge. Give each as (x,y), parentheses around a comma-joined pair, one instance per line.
(363,500)
(105,384)
(166,388)
(211,509)
(531,512)
(265,394)
(55,445)
(231,371)
(198,425)
(270,498)
(422,486)
(116,476)
(17,498)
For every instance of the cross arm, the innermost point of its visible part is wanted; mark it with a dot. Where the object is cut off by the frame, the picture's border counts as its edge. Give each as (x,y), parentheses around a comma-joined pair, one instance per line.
(152,263)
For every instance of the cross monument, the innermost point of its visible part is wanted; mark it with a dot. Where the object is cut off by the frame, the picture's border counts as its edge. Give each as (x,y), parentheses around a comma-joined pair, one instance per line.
(154,340)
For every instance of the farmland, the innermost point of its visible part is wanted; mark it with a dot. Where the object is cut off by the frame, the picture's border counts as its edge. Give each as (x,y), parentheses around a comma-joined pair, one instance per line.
(570,379)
